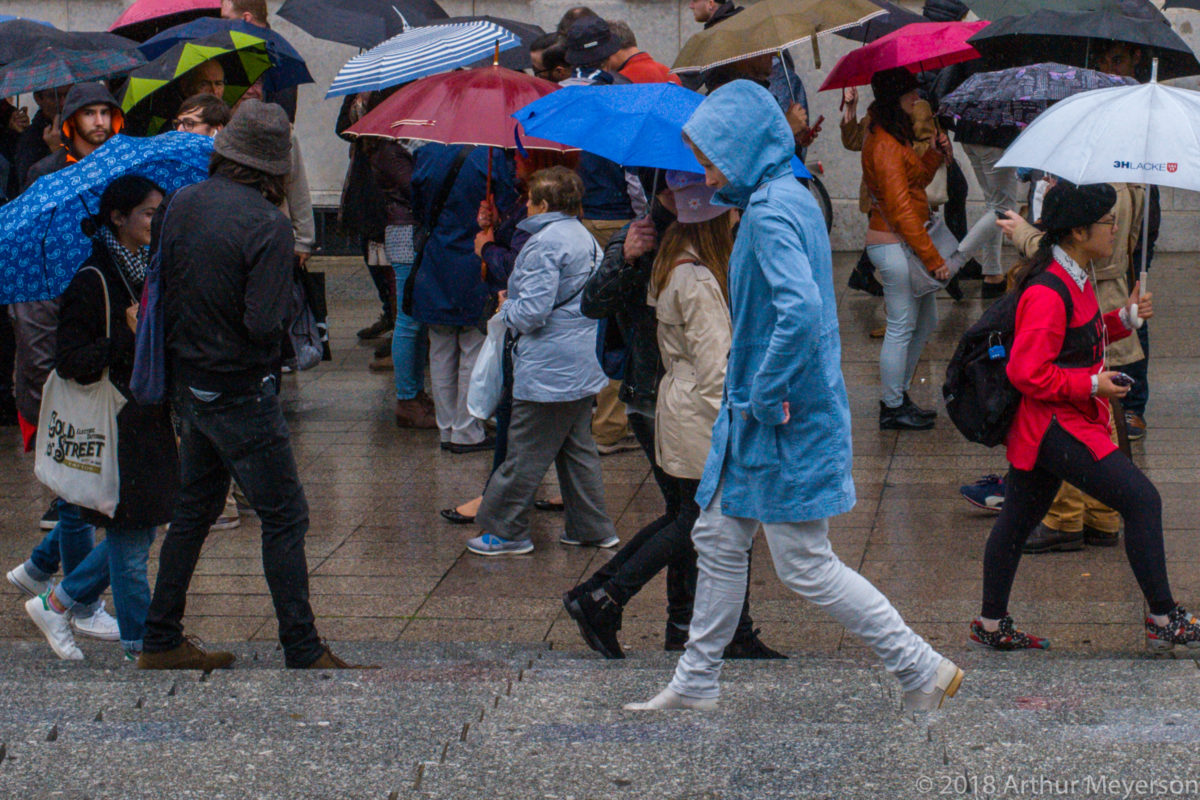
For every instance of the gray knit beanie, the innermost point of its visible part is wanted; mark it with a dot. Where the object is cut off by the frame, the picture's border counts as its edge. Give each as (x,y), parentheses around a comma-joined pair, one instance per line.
(259,136)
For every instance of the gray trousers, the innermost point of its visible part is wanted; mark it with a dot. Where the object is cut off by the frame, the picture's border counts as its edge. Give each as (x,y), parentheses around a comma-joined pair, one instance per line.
(538,435)
(807,565)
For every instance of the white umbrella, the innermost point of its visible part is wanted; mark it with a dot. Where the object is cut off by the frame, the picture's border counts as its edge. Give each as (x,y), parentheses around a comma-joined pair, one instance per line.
(1148,134)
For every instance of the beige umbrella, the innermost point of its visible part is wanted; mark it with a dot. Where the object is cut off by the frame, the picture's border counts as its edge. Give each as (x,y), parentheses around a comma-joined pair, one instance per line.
(768,27)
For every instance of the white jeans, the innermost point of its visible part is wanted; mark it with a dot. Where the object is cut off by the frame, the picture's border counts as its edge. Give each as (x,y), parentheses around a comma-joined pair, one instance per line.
(452,354)
(910,322)
(806,564)
(999,186)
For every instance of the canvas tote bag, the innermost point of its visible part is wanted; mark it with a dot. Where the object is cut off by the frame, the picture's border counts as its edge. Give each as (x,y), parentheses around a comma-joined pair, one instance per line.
(77,436)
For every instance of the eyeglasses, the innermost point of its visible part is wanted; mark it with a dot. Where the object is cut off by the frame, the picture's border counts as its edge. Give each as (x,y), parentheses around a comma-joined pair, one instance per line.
(186,123)
(1110,221)
(539,73)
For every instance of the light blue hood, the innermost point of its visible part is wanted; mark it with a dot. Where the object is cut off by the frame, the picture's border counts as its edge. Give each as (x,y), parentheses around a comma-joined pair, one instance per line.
(740,128)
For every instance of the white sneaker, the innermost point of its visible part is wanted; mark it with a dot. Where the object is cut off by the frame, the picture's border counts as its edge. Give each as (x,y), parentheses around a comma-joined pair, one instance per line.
(21,579)
(944,683)
(667,699)
(55,627)
(229,517)
(100,625)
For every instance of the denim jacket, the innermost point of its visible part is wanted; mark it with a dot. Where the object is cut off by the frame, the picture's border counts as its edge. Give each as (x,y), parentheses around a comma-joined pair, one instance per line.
(785,329)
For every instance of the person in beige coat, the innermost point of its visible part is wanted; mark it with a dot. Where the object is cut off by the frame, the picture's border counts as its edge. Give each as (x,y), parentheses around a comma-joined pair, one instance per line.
(1076,519)
(689,292)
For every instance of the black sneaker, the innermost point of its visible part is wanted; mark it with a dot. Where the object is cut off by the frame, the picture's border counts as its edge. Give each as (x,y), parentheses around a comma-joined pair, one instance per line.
(902,418)
(599,619)
(377,328)
(1045,539)
(750,647)
(926,413)
(488,443)
(1097,538)
(49,520)
(991,291)
(1181,629)
(1007,637)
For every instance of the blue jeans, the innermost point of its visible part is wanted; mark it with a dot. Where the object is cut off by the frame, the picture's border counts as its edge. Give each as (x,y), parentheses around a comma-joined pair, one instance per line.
(408,346)
(68,545)
(122,558)
(243,436)
(910,321)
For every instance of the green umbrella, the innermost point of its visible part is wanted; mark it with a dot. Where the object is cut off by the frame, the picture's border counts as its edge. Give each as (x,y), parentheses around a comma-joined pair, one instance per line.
(153,92)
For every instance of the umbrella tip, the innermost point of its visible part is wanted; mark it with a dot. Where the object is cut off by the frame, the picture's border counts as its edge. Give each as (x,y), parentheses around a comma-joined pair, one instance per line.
(496,55)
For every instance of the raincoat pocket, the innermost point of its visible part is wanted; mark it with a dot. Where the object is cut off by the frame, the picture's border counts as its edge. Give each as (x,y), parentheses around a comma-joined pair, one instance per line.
(752,444)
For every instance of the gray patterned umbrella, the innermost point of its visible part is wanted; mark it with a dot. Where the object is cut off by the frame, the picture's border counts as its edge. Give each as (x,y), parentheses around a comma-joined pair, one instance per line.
(1015,97)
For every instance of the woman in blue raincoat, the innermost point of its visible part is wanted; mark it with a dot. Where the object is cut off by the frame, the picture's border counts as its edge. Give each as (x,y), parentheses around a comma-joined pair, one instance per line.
(781,445)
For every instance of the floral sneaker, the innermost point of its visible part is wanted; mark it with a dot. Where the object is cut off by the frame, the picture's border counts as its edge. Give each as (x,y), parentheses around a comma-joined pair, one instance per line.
(1181,628)
(1007,637)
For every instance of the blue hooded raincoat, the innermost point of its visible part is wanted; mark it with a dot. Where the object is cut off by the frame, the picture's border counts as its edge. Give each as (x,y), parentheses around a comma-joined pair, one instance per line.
(785,329)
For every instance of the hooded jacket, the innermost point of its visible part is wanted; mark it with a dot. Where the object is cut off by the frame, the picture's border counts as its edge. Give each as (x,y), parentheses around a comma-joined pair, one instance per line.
(786,346)
(81,96)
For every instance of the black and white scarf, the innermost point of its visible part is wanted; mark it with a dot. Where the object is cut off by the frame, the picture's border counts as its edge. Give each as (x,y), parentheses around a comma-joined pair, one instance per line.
(132,264)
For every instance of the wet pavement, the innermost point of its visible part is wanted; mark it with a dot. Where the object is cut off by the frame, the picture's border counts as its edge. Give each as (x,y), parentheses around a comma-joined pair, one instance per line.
(386,568)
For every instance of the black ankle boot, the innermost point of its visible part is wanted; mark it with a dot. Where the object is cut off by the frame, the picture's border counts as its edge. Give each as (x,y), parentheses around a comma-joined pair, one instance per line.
(923,413)
(750,647)
(902,418)
(599,619)
(954,290)
(675,638)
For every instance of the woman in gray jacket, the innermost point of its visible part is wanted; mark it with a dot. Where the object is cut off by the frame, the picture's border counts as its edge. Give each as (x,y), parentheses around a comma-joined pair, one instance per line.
(555,378)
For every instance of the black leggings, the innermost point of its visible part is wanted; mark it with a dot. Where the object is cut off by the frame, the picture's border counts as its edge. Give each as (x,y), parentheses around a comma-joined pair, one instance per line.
(1113,480)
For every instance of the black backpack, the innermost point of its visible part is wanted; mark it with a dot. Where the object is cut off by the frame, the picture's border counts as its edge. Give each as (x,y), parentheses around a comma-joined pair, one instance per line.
(980,400)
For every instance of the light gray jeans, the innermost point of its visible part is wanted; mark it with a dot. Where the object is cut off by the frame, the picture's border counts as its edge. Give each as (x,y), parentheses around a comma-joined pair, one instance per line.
(807,565)
(910,321)
(452,354)
(999,186)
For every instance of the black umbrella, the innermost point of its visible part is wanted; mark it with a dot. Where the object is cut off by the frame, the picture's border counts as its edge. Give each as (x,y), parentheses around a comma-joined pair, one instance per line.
(20,37)
(1074,38)
(895,19)
(515,57)
(362,23)
(1192,4)
(998,9)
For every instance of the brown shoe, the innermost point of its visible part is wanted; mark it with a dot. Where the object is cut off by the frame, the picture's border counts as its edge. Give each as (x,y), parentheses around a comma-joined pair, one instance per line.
(382,364)
(328,660)
(879,333)
(188,655)
(412,414)
(425,400)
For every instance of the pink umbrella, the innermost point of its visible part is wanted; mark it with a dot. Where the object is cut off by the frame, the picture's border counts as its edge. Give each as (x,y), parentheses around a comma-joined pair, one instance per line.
(920,46)
(145,18)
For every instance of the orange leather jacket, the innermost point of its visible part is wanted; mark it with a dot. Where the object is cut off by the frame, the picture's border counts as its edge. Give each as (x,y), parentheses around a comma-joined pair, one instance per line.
(896,178)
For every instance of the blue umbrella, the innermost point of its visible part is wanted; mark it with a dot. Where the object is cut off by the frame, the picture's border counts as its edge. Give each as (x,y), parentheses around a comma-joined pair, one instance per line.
(44,243)
(287,65)
(7,17)
(422,51)
(635,125)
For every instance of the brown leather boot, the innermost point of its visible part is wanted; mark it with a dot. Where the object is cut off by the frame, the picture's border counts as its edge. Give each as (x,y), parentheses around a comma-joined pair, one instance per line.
(188,655)
(328,660)
(413,414)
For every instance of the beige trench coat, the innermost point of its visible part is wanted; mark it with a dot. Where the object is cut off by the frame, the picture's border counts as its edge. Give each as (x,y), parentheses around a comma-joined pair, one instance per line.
(1112,276)
(694,335)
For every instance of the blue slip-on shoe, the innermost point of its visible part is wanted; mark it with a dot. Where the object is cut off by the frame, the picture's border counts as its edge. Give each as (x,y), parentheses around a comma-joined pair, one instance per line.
(986,493)
(490,545)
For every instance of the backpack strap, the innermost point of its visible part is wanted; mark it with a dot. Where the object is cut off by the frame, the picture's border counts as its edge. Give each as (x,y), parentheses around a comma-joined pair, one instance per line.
(1052,281)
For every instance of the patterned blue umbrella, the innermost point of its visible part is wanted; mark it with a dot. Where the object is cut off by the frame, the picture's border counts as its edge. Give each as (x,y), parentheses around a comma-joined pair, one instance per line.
(43,241)
(419,52)
(52,66)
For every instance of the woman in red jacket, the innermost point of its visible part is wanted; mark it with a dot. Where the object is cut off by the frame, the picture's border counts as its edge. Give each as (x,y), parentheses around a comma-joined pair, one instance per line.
(1061,430)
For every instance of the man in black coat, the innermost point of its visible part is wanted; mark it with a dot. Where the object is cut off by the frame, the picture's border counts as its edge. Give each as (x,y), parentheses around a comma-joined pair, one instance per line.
(226,261)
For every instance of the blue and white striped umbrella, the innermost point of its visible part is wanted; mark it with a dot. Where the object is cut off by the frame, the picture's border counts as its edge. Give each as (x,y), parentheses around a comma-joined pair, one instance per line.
(418,52)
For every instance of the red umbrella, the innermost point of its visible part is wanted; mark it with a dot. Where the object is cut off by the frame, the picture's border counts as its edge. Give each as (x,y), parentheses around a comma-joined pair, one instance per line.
(469,106)
(145,18)
(920,46)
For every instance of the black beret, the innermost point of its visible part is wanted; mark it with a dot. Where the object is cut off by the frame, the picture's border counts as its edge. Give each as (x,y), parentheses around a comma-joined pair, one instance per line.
(1069,206)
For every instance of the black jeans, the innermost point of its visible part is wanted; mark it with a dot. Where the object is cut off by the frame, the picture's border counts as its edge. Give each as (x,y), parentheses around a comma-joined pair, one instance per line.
(243,436)
(1113,480)
(665,542)
(8,354)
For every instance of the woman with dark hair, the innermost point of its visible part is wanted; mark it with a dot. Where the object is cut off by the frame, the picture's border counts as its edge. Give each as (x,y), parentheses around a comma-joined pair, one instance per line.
(895,178)
(97,322)
(1061,428)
